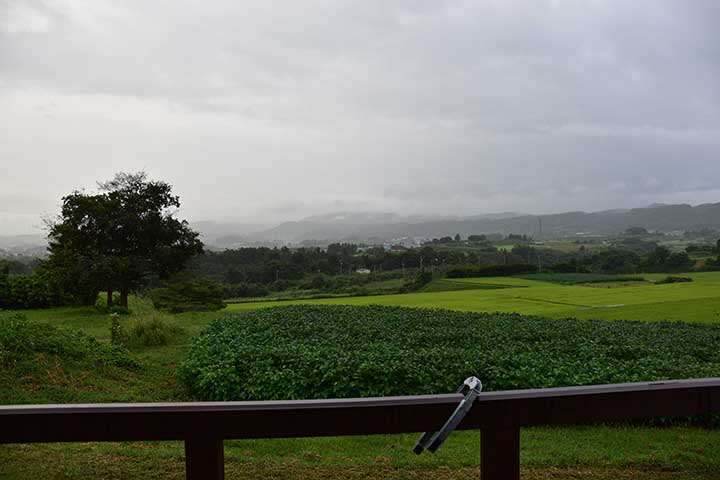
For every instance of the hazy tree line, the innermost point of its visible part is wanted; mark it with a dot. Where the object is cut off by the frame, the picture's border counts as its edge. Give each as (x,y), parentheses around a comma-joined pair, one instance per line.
(266,265)
(252,272)
(125,238)
(257,271)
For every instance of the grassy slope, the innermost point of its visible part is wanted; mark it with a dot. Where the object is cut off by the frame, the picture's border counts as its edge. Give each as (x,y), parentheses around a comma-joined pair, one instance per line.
(579,452)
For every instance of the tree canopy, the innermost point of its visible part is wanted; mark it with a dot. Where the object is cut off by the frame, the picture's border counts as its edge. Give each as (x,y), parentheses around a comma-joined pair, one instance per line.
(120,237)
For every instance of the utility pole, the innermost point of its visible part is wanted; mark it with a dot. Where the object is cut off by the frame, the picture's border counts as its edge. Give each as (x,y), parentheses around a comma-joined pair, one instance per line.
(539,228)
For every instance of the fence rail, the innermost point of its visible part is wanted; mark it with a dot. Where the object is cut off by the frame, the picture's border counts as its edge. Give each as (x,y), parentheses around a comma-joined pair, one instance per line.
(499,415)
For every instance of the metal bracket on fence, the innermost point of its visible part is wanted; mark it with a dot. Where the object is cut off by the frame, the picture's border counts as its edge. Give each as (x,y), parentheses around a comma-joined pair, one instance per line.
(471,388)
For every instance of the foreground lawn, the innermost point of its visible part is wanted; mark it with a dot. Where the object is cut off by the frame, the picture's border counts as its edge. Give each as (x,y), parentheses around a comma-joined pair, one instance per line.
(580,452)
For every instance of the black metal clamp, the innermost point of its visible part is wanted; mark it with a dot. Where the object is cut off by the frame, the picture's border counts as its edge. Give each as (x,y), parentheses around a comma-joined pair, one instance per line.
(471,388)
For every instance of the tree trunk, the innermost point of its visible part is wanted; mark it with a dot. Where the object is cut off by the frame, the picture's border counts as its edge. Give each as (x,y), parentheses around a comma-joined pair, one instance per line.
(124,297)
(109,297)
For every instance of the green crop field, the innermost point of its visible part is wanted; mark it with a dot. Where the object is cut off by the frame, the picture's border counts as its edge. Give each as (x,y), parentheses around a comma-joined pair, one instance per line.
(697,301)
(333,351)
(602,452)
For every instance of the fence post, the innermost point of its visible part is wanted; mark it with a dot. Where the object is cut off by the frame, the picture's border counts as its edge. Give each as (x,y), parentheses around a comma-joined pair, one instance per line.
(204,459)
(500,453)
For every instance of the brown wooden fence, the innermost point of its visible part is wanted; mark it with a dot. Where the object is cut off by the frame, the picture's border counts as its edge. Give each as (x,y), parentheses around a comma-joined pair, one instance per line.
(498,415)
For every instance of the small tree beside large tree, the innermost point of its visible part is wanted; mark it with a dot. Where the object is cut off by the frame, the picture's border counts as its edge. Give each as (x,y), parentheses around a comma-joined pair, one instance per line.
(120,237)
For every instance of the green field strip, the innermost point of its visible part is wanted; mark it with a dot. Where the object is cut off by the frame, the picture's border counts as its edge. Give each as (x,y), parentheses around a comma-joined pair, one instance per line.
(556,302)
(448,285)
(685,301)
(707,311)
(513,281)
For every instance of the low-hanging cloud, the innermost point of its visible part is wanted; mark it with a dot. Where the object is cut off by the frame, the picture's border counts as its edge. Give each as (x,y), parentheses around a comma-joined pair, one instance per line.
(275,110)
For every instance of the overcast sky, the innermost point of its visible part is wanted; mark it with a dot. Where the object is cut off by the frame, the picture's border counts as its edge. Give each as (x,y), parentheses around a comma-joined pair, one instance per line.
(273,110)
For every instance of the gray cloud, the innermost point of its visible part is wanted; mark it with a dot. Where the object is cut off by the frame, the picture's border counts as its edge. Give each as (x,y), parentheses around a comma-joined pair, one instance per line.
(274,110)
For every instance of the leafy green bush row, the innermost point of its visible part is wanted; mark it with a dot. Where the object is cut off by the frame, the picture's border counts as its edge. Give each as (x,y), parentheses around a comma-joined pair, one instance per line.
(325,351)
(579,278)
(500,270)
(195,294)
(36,290)
(674,279)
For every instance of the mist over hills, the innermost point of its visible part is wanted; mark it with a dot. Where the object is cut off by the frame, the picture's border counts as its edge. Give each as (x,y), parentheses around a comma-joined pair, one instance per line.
(378,227)
(12,246)
(372,227)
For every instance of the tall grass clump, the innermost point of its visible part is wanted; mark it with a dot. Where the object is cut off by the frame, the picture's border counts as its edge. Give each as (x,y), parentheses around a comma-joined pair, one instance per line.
(147,330)
(47,362)
(326,351)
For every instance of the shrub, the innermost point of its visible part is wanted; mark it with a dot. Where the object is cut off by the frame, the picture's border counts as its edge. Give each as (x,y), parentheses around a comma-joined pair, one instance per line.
(325,351)
(245,290)
(147,331)
(189,295)
(417,282)
(568,267)
(673,279)
(359,291)
(704,248)
(151,331)
(423,278)
(117,333)
(581,278)
(37,290)
(317,282)
(281,285)
(678,261)
(490,270)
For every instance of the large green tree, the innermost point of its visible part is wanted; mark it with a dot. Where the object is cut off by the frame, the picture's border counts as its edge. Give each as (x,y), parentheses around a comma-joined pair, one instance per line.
(118,238)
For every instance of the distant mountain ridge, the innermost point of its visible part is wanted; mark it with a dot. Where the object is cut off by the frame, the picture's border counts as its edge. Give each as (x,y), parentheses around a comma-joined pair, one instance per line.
(12,246)
(367,227)
(379,227)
